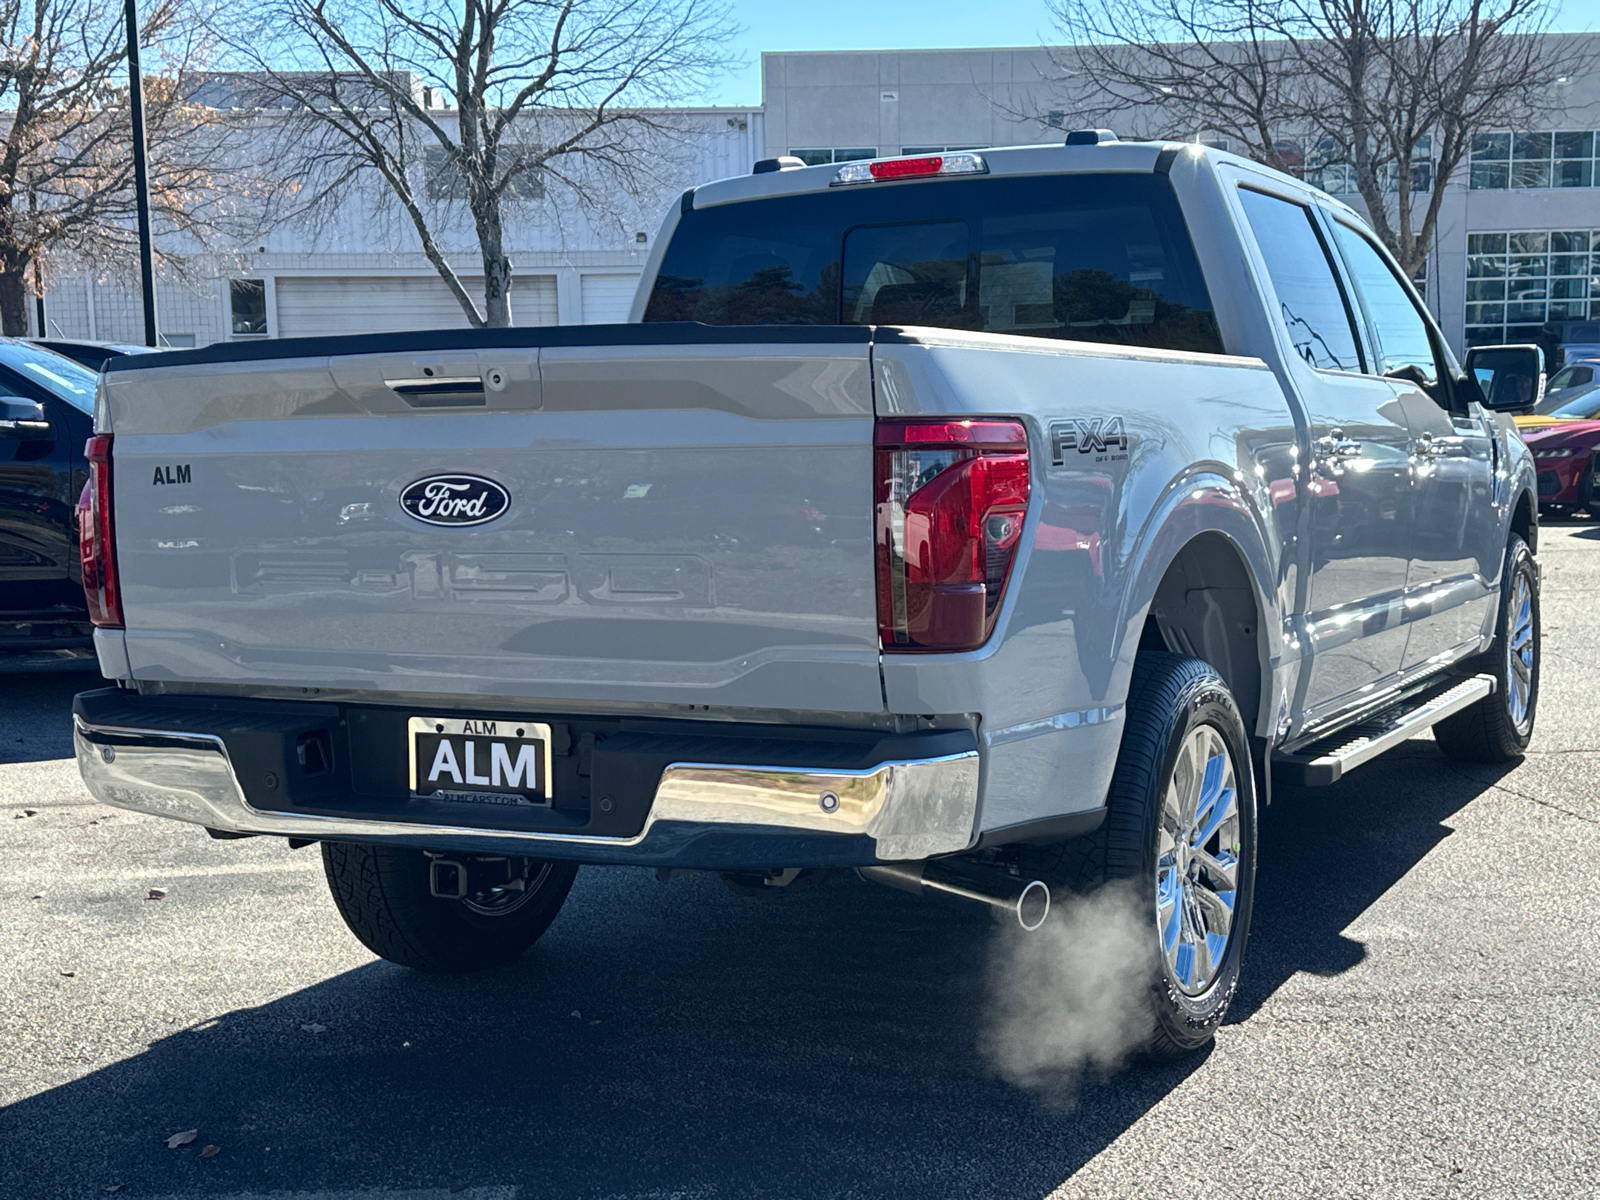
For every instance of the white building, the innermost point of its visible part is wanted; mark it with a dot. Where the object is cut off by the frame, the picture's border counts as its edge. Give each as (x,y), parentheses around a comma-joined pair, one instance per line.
(1517,254)
(361,270)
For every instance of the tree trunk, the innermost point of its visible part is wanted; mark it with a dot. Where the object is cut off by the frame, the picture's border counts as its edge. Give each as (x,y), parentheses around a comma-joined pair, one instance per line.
(496,271)
(14,300)
(496,291)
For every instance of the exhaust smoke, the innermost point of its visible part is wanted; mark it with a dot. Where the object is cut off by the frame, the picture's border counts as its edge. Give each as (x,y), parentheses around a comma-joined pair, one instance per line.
(1072,999)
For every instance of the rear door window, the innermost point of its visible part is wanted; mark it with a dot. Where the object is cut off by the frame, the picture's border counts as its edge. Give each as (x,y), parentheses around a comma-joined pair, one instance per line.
(1311,303)
(1102,258)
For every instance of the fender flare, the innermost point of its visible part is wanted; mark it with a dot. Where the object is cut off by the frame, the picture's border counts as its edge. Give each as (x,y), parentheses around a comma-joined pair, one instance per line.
(1204,501)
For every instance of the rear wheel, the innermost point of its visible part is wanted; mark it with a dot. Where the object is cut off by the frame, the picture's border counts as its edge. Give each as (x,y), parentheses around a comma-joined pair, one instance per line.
(1498,728)
(1180,830)
(496,907)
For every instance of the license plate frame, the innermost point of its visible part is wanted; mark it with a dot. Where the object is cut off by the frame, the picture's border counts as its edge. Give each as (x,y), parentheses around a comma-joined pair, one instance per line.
(475,779)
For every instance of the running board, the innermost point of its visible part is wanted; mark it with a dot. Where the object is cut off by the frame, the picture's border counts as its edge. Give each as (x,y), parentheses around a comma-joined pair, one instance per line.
(1326,761)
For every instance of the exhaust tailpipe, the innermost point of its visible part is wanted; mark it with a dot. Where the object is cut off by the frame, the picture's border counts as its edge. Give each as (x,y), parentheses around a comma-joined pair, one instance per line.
(1029,904)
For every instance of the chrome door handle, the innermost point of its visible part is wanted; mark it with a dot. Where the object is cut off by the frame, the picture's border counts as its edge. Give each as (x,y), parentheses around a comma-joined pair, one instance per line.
(1336,445)
(1427,446)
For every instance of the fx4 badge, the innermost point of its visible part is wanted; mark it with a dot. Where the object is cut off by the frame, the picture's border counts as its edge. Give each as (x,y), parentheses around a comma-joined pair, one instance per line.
(1095,435)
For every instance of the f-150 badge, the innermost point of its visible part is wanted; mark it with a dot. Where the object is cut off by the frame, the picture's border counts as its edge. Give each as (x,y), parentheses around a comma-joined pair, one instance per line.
(455,500)
(1094,436)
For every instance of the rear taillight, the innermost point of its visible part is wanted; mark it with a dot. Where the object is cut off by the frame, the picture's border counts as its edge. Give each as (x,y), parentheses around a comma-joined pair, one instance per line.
(951,497)
(96,550)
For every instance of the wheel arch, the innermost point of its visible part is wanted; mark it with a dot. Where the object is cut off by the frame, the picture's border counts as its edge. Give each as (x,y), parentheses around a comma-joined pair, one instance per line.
(1205,584)
(1525,519)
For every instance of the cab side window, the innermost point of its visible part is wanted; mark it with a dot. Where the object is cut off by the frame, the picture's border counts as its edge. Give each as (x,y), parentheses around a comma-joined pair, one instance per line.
(1401,329)
(1311,303)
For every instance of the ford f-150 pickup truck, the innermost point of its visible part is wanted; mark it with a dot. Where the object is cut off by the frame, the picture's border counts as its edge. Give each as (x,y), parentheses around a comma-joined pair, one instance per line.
(993,523)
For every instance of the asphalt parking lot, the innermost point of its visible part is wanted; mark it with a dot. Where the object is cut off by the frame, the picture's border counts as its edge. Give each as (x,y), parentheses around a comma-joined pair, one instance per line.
(1419,1015)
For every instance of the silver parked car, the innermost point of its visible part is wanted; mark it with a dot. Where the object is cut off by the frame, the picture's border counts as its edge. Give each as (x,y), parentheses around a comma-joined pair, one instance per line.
(1573,391)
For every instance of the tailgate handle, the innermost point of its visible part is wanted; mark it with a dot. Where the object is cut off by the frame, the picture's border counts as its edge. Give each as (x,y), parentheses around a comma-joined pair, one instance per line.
(435,392)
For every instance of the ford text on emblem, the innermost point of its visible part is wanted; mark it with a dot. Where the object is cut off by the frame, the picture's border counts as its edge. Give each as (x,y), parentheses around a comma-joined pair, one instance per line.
(455,499)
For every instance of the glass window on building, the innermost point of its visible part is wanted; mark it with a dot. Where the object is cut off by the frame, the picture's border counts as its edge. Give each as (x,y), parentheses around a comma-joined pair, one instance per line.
(1574,160)
(247,298)
(818,157)
(1491,160)
(1519,282)
(1561,159)
(1422,164)
(1530,160)
(1329,168)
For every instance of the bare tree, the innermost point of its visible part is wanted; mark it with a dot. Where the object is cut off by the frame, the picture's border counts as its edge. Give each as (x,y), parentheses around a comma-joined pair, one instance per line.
(1384,96)
(494,105)
(66,171)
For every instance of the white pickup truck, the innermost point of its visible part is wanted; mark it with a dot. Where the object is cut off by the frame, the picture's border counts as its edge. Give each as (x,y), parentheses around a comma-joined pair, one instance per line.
(991,523)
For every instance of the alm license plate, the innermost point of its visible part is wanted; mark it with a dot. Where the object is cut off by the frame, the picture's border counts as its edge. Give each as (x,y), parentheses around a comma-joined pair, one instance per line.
(480,760)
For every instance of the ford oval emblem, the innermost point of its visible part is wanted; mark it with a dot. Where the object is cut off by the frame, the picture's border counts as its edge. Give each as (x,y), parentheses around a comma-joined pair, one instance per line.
(455,499)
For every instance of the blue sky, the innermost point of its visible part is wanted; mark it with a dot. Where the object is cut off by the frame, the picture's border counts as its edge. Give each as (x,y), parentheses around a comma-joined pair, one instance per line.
(919,24)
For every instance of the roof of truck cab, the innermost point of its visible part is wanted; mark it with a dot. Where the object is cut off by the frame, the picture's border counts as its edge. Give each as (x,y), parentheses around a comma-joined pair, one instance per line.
(1046,159)
(1055,158)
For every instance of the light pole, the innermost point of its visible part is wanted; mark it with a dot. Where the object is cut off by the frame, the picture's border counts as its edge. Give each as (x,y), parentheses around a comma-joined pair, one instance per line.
(141,174)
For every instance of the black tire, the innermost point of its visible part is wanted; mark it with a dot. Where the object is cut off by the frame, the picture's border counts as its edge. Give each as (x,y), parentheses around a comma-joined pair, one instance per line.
(383,894)
(1492,731)
(1169,700)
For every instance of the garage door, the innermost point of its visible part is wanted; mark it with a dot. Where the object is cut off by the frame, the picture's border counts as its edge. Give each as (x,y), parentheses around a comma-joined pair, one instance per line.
(607,298)
(316,305)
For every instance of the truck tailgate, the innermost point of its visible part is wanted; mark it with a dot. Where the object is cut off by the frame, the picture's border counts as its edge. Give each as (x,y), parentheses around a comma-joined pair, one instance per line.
(684,524)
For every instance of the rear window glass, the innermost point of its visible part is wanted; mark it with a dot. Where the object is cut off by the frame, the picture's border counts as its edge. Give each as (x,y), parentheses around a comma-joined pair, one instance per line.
(1098,258)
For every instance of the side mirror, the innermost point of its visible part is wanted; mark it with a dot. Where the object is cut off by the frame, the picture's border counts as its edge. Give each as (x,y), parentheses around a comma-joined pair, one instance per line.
(22,420)
(1509,378)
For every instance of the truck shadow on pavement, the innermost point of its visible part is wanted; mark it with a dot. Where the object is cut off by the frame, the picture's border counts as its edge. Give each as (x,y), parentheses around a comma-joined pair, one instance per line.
(674,1040)
(36,719)
(1327,853)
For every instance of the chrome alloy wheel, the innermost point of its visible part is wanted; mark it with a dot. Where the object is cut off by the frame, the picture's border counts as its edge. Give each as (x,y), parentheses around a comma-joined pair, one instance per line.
(1521,653)
(1197,860)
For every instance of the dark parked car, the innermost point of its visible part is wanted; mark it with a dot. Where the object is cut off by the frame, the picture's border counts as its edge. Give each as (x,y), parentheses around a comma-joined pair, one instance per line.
(91,354)
(46,415)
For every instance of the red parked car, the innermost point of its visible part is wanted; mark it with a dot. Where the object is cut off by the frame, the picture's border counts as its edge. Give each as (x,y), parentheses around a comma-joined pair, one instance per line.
(1564,456)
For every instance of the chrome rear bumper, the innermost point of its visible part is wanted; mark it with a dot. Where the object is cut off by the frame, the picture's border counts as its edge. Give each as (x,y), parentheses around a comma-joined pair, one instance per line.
(718,812)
